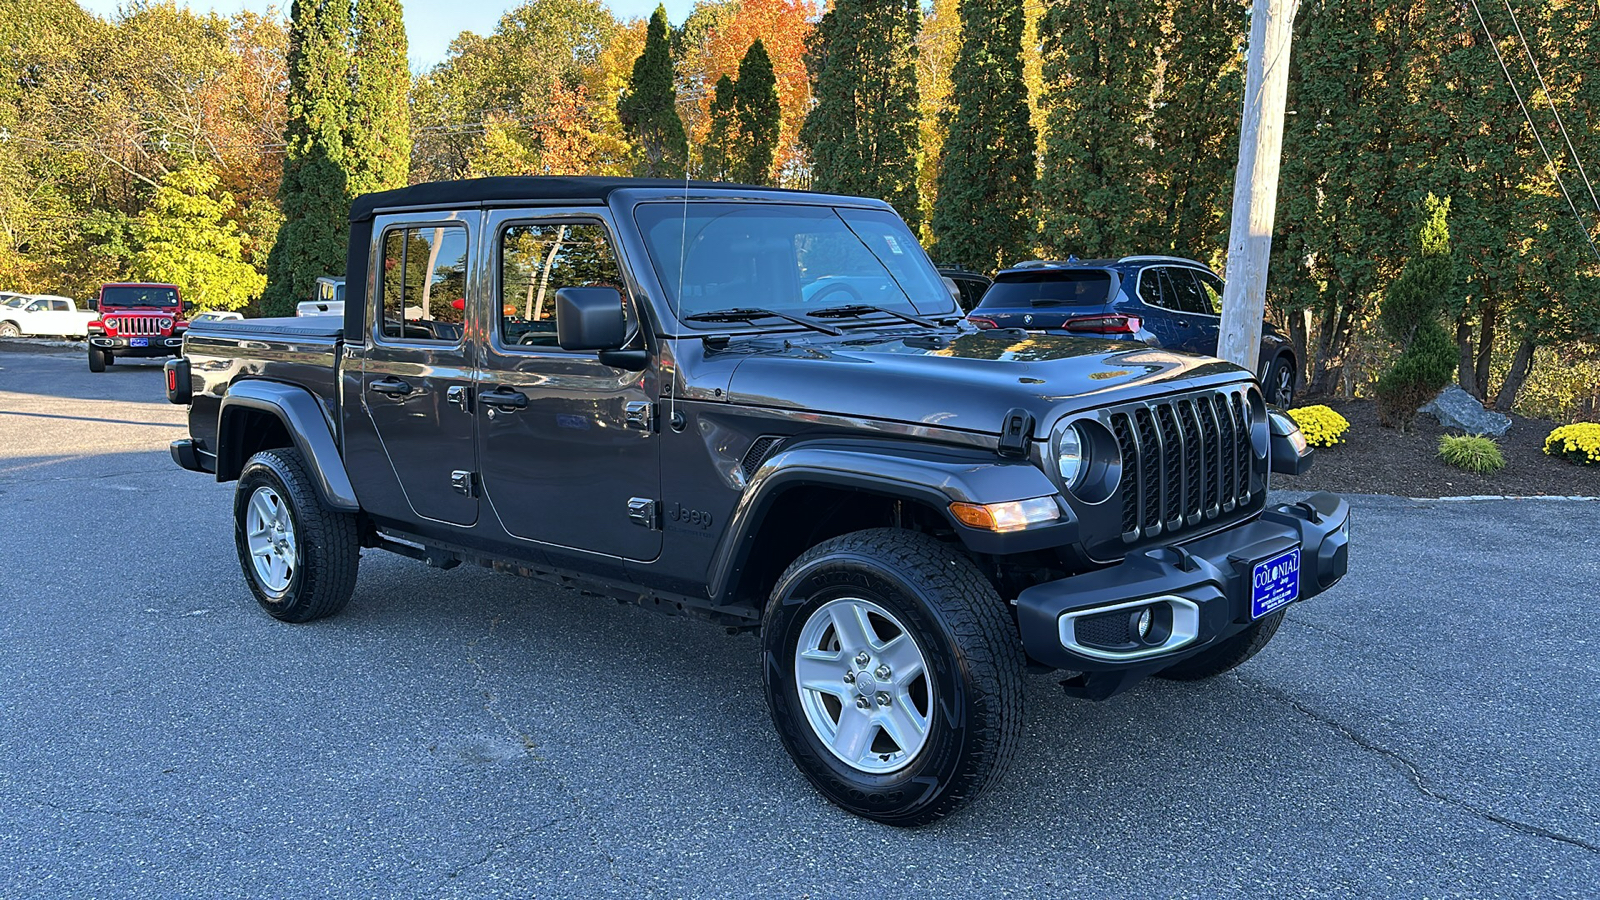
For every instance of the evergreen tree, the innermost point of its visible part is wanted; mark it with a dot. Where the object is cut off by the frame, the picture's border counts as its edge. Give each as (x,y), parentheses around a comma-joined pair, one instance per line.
(716,157)
(863,133)
(649,110)
(982,217)
(1410,317)
(315,193)
(184,238)
(1096,187)
(759,115)
(380,117)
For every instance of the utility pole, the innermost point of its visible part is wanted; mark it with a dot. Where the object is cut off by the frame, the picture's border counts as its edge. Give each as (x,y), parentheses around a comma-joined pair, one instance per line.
(1255,186)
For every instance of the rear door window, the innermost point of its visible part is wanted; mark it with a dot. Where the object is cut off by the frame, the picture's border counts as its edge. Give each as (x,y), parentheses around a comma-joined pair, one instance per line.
(1186,295)
(1049,288)
(424,283)
(1211,286)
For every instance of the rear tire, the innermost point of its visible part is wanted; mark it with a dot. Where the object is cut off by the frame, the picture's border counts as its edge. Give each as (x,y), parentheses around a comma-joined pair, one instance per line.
(8,329)
(97,359)
(1226,656)
(299,557)
(933,717)
(1279,383)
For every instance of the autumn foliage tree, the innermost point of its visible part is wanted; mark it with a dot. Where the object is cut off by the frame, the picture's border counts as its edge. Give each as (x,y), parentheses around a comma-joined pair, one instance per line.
(184,238)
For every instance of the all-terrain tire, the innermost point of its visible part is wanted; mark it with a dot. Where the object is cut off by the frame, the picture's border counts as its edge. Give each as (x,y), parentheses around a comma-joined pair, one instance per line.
(973,662)
(327,549)
(1228,655)
(111,358)
(97,359)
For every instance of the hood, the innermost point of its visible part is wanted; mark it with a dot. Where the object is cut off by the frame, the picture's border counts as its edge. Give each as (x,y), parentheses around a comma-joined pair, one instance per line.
(966,381)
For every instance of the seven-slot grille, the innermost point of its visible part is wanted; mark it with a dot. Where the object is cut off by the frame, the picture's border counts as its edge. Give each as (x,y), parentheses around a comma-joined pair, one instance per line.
(138,325)
(1184,460)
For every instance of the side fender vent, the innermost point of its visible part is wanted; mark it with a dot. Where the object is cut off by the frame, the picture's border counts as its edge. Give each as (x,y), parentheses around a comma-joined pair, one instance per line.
(761,448)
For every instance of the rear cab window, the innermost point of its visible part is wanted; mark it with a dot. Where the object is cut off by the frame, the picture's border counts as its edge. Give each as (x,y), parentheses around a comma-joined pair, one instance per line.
(424,283)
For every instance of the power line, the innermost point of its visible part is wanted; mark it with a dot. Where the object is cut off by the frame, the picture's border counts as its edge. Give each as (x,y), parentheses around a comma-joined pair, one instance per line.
(1553,111)
(1562,185)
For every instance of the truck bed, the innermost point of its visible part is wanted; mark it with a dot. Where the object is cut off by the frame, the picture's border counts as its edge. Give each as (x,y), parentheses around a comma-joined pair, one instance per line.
(301,351)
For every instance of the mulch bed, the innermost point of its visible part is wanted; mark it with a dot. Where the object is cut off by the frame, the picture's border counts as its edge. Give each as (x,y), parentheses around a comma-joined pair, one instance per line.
(1378,460)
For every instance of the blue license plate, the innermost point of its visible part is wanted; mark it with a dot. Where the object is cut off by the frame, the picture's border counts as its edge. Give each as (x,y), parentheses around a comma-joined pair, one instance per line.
(1274,583)
(138,342)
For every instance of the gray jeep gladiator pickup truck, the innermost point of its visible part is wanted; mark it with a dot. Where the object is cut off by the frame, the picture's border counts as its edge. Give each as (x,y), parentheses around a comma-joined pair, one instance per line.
(762,407)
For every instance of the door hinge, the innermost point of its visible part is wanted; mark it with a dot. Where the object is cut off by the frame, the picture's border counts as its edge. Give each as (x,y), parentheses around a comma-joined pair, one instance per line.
(465,483)
(640,415)
(1015,432)
(642,512)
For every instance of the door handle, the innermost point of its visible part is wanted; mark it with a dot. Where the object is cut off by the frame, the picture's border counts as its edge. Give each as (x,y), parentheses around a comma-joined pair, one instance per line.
(390,386)
(503,399)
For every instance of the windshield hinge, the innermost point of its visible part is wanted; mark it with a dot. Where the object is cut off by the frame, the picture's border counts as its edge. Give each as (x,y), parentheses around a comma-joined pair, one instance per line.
(1015,432)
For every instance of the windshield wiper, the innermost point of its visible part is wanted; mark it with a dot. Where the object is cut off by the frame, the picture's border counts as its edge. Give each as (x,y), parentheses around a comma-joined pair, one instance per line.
(751,313)
(857,310)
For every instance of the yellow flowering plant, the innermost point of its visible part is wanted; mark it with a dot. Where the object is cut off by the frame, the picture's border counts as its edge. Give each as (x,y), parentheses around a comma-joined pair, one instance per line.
(1578,443)
(1322,426)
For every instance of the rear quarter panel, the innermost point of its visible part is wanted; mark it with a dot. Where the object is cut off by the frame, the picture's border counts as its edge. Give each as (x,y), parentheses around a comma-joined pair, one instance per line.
(223,353)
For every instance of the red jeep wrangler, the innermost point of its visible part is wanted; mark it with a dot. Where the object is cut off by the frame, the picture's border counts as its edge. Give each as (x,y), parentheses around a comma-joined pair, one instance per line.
(140,320)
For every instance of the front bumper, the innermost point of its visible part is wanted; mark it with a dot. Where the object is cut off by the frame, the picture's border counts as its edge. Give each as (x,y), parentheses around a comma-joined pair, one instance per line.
(155,344)
(1200,592)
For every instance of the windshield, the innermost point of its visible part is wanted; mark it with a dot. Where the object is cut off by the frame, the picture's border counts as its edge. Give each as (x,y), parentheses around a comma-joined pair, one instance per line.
(790,258)
(1049,288)
(16,300)
(138,295)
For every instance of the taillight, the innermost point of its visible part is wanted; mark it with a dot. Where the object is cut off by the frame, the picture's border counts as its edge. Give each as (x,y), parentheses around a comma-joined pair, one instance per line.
(1105,324)
(982,322)
(172,381)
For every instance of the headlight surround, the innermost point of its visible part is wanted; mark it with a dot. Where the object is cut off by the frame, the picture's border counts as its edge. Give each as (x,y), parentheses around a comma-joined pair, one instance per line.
(166,323)
(1085,458)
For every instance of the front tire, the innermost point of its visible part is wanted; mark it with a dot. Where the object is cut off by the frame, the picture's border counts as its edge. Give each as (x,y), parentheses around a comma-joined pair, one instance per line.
(931,713)
(299,557)
(97,359)
(1226,656)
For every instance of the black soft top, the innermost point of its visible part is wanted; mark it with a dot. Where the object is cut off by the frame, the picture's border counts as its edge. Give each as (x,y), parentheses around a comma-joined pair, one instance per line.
(519,188)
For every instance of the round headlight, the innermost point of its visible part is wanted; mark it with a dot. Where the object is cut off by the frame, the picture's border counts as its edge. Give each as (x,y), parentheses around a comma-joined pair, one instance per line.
(1072,456)
(166,323)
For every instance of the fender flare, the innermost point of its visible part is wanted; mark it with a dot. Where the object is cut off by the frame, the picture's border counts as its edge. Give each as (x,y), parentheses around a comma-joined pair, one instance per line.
(929,474)
(302,418)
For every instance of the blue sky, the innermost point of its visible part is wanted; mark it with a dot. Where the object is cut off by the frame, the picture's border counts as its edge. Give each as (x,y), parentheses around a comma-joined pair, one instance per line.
(430,24)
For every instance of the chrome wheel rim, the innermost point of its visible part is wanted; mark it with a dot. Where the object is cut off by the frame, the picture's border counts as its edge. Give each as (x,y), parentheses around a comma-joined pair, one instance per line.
(1285,387)
(269,534)
(864,685)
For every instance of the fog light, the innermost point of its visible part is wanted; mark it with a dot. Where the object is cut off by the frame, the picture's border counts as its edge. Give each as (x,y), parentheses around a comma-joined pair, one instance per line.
(1013,516)
(1146,620)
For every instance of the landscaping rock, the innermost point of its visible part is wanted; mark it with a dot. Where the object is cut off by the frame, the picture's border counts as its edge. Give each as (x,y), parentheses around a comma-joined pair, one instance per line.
(1455,408)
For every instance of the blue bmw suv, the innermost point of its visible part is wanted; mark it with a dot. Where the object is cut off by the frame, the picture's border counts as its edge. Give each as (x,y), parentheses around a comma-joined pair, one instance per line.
(1165,301)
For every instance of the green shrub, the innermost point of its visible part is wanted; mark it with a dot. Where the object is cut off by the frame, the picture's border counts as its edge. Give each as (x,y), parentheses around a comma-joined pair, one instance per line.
(1410,316)
(1474,453)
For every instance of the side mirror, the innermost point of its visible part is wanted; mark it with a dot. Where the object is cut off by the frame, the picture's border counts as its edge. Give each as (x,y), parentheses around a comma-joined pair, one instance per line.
(188,305)
(92,305)
(590,318)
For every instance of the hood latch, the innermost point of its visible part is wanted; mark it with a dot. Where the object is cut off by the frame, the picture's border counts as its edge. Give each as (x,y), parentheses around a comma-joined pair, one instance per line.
(1014,433)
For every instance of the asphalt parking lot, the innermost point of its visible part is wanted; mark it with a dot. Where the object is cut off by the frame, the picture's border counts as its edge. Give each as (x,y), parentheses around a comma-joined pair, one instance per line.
(1427,729)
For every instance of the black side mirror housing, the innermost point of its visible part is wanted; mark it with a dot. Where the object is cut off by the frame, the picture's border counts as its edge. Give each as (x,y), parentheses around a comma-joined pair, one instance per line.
(590,318)
(188,305)
(92,305)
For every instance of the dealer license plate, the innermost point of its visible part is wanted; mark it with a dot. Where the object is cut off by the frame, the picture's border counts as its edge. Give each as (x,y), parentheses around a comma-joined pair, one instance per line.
(138,342)
(1275,583)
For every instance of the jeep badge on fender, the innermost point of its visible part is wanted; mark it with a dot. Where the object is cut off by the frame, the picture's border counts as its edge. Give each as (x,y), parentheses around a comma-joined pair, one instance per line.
(911,511)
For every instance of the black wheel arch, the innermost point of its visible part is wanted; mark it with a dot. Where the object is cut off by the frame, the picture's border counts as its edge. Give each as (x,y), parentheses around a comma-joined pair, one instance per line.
(261,415)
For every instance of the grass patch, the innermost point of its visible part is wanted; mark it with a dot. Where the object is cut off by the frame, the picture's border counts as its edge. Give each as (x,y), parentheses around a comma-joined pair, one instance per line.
(1472,452)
